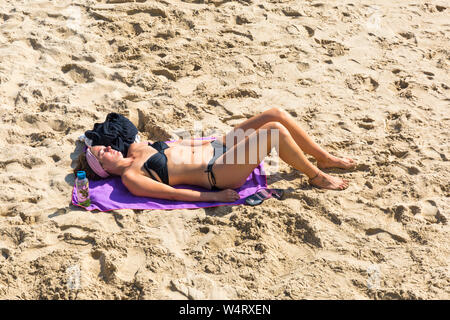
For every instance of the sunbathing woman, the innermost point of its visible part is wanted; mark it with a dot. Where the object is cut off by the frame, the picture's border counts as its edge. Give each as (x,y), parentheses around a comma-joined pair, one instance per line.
(150,170)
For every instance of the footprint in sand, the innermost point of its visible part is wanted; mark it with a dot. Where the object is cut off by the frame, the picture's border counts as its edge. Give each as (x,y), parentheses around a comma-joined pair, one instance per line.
(130,265)
(360,82)
(165,73)
(78,73)
(428,7)
(408,36)
(334,49)
(367,123)
(5,253)
(153,12)
(243,19)
(291,12)
(241,93)
(429,211)
(401,84)
(379,232)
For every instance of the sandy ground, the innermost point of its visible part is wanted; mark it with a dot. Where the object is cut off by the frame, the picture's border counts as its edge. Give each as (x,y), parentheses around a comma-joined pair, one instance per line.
(364,79)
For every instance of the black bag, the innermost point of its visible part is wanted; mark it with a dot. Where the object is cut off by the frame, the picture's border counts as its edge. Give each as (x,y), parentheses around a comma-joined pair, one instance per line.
(117,131)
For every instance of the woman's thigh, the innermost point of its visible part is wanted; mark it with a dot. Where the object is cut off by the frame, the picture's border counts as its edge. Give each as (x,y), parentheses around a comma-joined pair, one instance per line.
(233,167)
(249,126)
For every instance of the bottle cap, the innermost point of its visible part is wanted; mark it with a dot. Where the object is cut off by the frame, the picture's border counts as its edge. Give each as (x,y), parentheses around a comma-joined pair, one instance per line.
(81,175)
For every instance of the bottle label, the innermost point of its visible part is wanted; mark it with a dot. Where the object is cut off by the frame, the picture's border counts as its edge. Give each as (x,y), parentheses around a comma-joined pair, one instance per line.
(83,194)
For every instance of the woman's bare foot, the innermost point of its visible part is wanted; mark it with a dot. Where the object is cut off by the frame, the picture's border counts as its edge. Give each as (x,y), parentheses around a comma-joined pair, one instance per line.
(325,181)
(335,162)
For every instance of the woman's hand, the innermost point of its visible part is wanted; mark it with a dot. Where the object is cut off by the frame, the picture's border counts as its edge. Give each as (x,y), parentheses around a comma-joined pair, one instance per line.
(227,195)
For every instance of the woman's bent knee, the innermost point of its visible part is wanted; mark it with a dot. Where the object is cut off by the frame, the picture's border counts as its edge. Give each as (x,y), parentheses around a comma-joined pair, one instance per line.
(275,114)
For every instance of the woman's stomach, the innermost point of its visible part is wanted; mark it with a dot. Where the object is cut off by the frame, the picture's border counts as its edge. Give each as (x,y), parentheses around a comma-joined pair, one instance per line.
(186,164)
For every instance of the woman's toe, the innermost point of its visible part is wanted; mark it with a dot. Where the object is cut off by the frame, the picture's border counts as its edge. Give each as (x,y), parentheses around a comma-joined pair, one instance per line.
(352,162)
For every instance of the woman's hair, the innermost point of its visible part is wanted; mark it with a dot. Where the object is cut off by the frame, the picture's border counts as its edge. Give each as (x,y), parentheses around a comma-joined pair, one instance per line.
(84,166)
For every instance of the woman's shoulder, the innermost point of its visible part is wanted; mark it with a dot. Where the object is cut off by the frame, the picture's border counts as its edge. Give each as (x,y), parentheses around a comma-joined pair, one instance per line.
(133,172)
(137,145)
(139,152)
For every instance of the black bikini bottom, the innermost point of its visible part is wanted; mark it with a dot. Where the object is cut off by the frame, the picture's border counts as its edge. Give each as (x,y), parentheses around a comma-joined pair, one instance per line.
(219,149)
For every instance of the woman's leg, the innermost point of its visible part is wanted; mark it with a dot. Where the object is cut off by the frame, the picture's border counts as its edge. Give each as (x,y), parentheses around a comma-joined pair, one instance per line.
(301,138)
(231,171)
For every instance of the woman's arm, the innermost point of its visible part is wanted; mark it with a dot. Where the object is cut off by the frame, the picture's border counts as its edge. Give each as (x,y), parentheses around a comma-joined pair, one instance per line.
(143,186)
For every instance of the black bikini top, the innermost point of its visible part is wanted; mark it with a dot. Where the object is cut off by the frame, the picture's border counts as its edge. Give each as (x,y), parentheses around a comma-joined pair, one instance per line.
(158,162)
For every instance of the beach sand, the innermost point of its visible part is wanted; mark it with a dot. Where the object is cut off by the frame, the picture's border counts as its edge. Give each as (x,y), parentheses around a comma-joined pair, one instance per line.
(366,80)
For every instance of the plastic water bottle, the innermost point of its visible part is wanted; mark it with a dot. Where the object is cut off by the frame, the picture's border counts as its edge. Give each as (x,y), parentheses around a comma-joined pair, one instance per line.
(82,184)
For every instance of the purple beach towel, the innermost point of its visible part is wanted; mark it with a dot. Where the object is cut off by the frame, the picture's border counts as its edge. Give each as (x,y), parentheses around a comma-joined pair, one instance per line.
(110,194)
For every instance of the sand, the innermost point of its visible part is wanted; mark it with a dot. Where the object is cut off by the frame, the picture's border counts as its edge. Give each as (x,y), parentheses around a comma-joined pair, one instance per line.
(366,79)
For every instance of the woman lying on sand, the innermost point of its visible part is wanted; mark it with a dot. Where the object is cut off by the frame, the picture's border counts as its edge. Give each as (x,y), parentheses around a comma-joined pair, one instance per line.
(150,170)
